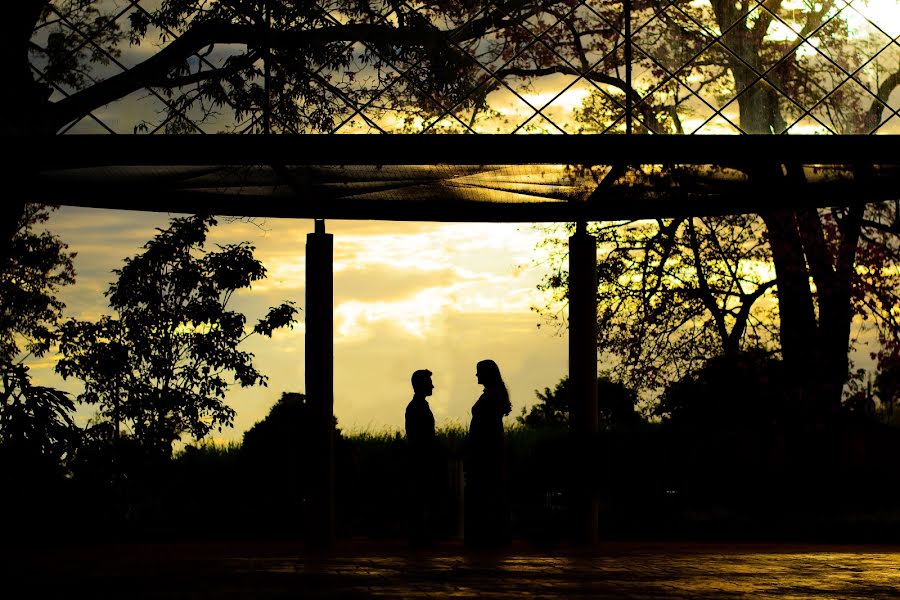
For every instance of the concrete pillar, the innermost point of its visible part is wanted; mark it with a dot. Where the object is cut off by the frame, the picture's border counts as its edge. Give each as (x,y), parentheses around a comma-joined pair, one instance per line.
(583,383)
(319,319)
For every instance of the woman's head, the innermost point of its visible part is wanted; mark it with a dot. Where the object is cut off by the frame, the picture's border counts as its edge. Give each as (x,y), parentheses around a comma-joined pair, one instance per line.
(488,374)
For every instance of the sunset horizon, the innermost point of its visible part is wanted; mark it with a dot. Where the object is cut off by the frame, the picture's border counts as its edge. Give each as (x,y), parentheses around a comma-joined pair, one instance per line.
(407,296)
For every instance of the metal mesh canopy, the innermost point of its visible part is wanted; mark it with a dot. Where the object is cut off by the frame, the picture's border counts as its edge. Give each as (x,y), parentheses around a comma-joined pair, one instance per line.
(288,70)
(367,177)
(392,66)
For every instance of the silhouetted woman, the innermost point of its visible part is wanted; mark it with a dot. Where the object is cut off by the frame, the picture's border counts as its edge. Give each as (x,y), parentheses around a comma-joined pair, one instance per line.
(486,509)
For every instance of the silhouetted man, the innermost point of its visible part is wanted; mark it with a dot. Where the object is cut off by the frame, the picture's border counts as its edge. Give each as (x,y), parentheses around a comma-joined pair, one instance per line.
(424,462)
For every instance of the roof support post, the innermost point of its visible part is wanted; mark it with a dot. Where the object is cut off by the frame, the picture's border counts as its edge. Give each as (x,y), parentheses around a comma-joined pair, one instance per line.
(583,384)
(319,342)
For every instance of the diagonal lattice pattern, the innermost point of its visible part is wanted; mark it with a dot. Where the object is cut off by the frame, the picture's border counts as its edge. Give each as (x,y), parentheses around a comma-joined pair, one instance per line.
(550,66)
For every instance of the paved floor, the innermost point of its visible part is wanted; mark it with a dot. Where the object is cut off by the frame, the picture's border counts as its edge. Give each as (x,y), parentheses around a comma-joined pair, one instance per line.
(366,570)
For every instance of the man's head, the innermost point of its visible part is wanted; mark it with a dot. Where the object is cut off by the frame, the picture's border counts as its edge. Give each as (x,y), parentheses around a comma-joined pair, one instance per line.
(421,382)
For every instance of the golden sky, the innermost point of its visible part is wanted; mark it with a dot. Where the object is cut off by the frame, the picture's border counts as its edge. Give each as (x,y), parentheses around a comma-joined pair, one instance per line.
(407,296)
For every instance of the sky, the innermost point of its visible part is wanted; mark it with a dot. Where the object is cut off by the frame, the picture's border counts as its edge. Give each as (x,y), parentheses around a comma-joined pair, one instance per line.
(408,296)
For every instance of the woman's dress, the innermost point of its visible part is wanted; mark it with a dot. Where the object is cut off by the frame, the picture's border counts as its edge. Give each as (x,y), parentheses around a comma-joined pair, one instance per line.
(486,499)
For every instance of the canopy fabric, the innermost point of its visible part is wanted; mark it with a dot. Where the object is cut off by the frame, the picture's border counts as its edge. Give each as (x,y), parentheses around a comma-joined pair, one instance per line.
(607,189)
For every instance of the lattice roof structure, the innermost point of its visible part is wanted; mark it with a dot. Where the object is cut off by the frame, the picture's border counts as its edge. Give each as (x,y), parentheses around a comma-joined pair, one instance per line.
(642,68)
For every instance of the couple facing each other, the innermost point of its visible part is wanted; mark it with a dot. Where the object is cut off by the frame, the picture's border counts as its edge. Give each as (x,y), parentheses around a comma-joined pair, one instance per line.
(486,506)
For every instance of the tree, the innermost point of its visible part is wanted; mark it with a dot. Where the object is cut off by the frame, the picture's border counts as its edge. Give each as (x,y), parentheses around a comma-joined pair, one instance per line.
(34,420)
(278,454)
(36,267)
(615,406)
(887,384)
(262,65)
(283,434)
(673,292)
(777,69)
(161,365)
(777,86)
(730,392)
(37,432)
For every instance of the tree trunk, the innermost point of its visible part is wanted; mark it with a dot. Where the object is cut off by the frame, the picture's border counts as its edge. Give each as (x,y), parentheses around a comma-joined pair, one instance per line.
(796,310)
(25,102)
(814,347)
(832,271)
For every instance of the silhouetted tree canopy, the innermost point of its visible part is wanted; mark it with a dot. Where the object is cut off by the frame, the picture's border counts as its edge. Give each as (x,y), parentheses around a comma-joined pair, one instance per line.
(291,66)
(35,421)
(34,269)
(730,392)
(615,406)
(887,384)
(673,292)
(163,364)
(278,454)
(284,431)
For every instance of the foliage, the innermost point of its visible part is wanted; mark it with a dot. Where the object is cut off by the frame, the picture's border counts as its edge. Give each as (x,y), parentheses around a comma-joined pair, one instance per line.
(35,421)
(673,292)
(615,406)
(31,276)
(288,66)
(291,66)
(729,392)
(284,432)
(327,65)
(876,293)
(676,292)
(887,384)
(161,366)
(59,41)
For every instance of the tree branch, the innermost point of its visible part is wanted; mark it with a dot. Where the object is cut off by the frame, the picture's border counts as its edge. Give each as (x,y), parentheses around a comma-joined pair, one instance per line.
(616,82)
(231,66)
(703,286)
(743,317)
(893,228)
(873,115)
(152,72)
(767,14)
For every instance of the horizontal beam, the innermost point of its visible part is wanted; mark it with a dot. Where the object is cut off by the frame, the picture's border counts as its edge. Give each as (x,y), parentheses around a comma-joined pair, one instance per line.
(70,151)
(615,204)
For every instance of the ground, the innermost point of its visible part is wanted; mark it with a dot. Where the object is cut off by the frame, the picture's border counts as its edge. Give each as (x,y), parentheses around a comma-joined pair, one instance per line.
(393,570)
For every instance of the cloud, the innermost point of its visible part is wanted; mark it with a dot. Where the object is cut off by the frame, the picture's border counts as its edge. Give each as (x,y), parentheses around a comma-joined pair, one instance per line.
(382,282)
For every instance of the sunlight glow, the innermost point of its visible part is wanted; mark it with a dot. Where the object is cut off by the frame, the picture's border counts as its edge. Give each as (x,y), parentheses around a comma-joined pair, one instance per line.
(884,13)
(188,328)
(416,316)
(469,268)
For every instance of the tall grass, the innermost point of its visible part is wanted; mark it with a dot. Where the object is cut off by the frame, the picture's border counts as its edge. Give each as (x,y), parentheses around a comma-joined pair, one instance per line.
(209,448)
(652,482)
(450,431)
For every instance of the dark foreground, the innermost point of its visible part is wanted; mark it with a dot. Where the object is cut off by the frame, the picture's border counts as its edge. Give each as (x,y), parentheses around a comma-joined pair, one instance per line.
(385,570)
